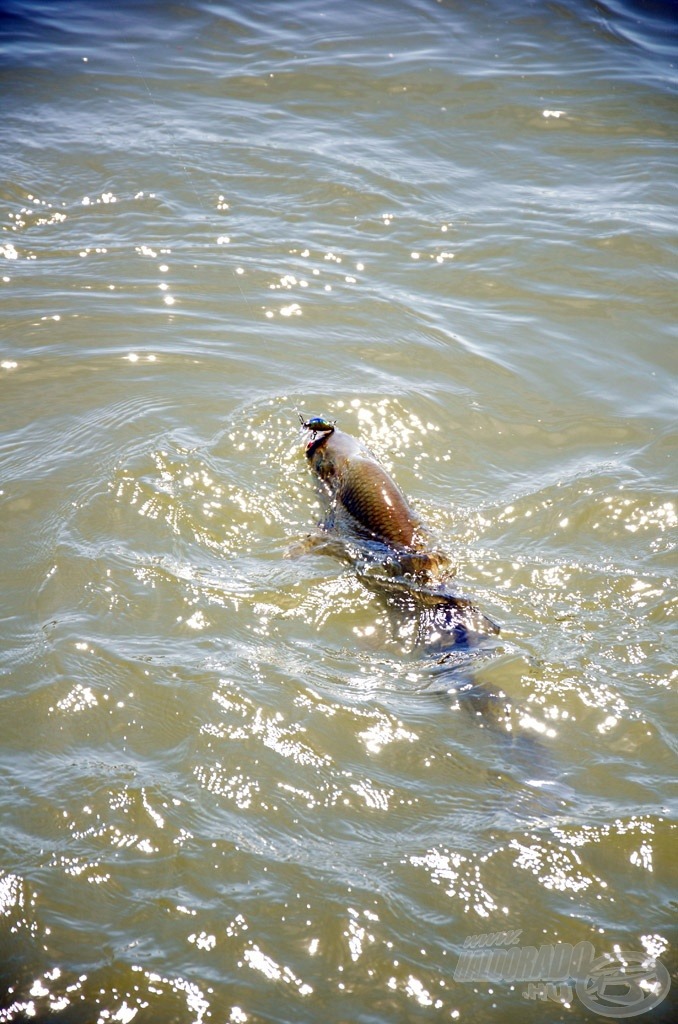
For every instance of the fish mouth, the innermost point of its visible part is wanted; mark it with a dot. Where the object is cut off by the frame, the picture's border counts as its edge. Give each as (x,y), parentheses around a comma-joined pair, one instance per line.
(316,428)
(313,440)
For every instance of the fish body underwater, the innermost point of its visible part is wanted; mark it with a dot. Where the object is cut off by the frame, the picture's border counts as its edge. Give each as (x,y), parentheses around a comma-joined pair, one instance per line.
(370,524)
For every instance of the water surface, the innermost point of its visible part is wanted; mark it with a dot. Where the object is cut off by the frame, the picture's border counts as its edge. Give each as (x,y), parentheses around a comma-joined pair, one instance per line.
(230,791)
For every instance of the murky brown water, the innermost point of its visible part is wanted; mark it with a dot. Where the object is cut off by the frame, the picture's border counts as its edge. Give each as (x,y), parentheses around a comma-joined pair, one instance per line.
(228,793)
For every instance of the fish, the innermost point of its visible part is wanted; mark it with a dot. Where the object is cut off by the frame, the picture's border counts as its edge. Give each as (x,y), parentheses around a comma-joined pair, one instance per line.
(370,523)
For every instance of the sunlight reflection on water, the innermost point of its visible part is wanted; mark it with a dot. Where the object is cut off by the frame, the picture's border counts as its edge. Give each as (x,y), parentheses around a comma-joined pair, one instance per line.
(234,788)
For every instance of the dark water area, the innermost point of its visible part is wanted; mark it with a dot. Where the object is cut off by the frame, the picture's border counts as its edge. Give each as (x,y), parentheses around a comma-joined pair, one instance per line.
(234,788)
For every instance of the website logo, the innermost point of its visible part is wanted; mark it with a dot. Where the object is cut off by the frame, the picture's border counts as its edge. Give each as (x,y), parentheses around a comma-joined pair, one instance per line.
(616,985)
(624,984)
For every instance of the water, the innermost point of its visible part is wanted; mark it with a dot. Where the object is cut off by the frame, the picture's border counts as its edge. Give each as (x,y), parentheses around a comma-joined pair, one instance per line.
(228,793)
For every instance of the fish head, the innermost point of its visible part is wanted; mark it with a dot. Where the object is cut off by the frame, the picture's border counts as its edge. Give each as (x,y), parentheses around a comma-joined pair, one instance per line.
(319,430)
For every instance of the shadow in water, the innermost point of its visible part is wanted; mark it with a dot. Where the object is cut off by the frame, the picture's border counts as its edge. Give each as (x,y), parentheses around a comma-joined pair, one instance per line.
(452,636)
